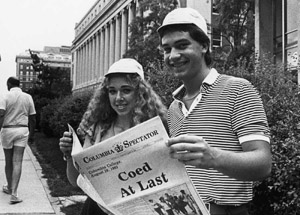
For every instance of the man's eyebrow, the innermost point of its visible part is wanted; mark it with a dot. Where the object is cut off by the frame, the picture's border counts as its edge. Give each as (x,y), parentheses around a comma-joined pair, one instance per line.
(176,42)
(126,86)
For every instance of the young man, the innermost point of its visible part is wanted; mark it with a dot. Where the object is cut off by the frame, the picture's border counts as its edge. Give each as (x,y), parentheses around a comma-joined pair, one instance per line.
(17,124)
(217,122)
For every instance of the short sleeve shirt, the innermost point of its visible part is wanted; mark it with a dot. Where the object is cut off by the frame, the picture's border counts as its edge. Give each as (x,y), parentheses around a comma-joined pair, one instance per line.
(227,113)
(18,106)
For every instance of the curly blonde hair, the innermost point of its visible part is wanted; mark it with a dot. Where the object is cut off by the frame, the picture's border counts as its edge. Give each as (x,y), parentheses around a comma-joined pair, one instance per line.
(99,111)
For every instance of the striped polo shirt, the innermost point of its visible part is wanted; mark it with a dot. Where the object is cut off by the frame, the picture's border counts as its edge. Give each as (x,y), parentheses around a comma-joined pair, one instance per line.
(227,112)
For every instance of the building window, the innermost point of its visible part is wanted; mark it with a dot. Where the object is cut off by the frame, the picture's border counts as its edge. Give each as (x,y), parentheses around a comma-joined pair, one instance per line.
(214,7)
(286,32)
(216,38)
(21,66)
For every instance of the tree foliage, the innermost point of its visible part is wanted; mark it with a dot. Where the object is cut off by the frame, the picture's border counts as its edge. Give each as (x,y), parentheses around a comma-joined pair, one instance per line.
(278,194)
(144,39)
(51,83)
(236,24)
(55,80)
(144,45)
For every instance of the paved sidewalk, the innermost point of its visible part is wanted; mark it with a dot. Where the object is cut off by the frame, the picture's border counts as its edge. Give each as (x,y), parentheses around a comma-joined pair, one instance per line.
(33,190)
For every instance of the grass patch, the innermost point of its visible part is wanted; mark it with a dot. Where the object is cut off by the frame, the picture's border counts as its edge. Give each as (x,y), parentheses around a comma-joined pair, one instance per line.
(73,209)
(46,150)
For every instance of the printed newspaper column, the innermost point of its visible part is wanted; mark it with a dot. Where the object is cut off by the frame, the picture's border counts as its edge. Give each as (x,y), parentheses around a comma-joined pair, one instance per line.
(83,182)
(133,174)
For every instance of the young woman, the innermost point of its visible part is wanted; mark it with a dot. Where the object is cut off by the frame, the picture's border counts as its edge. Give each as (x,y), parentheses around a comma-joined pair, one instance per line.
(123,100)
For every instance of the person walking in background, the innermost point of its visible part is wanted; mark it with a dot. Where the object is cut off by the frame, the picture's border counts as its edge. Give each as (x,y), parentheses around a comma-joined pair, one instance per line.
(123,100)
(217,122)
(17,123)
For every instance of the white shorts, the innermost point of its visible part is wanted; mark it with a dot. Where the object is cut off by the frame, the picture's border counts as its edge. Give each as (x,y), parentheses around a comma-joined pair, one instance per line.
(14,137)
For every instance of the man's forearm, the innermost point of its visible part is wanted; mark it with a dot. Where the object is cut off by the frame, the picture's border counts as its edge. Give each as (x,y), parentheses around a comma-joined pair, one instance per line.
(250,165)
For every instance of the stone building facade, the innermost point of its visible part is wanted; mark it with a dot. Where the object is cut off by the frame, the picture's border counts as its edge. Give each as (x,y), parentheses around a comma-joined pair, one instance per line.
(101,36)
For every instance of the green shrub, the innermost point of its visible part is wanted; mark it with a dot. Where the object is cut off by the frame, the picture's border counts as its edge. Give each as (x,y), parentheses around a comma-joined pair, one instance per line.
(278,194)
(60,112)
(162,82)
(46,116)
(69,112)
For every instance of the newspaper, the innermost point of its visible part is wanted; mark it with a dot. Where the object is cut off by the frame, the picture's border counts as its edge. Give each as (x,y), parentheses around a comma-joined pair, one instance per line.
(133,174)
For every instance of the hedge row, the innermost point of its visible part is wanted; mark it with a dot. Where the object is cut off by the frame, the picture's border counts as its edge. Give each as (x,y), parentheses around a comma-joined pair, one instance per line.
(278,194)
(60,112)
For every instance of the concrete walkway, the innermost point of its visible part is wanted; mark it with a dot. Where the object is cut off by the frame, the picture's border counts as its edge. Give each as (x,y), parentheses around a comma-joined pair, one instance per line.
(33,190)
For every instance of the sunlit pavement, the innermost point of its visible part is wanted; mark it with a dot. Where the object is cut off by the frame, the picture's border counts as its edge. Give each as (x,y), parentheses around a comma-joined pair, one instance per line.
(33,190)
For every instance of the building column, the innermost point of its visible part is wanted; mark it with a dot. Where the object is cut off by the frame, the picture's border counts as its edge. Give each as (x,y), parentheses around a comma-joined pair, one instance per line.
(118,38)
(124,36)
(91,59)
(76,67)
(79,66)
(106,54)
(90,72)
(102,51)
(97,55)
(131,16)
(88,58)
(112,42)
(131,12)
(85,69)
(85,63)
(94,55)
(82,63)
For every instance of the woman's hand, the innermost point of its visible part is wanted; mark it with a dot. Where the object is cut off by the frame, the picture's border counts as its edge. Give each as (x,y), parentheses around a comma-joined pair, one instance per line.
(66,143)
